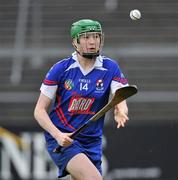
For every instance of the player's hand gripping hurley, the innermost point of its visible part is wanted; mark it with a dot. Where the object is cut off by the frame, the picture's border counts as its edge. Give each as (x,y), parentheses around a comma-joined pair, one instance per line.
(119,96)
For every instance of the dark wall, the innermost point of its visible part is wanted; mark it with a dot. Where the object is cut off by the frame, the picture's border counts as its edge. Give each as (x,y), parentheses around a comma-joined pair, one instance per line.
(134,152)
(144,147)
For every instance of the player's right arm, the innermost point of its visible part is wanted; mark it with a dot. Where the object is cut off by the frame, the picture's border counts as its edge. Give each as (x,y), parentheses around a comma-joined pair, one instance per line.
(42,117)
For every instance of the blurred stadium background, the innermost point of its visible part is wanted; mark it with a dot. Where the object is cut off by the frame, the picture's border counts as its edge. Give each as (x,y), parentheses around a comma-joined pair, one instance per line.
(34,34)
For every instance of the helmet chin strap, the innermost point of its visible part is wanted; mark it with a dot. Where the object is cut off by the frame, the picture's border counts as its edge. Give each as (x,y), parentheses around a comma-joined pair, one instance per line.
(90,55)
(87,55)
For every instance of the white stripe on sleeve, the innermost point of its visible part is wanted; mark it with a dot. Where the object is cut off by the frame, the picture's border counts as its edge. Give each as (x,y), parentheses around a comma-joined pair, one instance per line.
(116,85)
(49,91)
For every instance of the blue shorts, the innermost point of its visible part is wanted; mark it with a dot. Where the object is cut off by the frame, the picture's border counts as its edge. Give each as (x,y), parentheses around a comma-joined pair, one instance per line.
(92,150)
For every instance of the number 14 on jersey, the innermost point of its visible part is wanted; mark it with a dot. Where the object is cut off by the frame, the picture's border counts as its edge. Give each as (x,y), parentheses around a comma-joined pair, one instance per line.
(83,86)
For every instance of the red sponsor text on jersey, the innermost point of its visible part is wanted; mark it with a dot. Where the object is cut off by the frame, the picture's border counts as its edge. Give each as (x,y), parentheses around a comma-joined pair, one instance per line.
(81,105)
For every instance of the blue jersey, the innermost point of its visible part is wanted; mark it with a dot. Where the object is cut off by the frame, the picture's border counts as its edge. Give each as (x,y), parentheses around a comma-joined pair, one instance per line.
(80,94)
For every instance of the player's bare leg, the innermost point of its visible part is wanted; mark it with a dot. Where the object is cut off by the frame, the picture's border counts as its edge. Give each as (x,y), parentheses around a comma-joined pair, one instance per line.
(81,168)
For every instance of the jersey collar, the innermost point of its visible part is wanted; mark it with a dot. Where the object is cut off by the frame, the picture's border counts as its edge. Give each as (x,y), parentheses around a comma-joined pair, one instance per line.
(98,62)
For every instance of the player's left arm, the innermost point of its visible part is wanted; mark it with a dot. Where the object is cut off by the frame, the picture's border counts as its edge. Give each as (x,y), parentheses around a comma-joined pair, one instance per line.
(121,114)
(121,109)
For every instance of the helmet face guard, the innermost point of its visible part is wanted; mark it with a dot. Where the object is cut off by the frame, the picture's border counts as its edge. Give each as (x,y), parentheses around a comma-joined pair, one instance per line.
(83,27)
